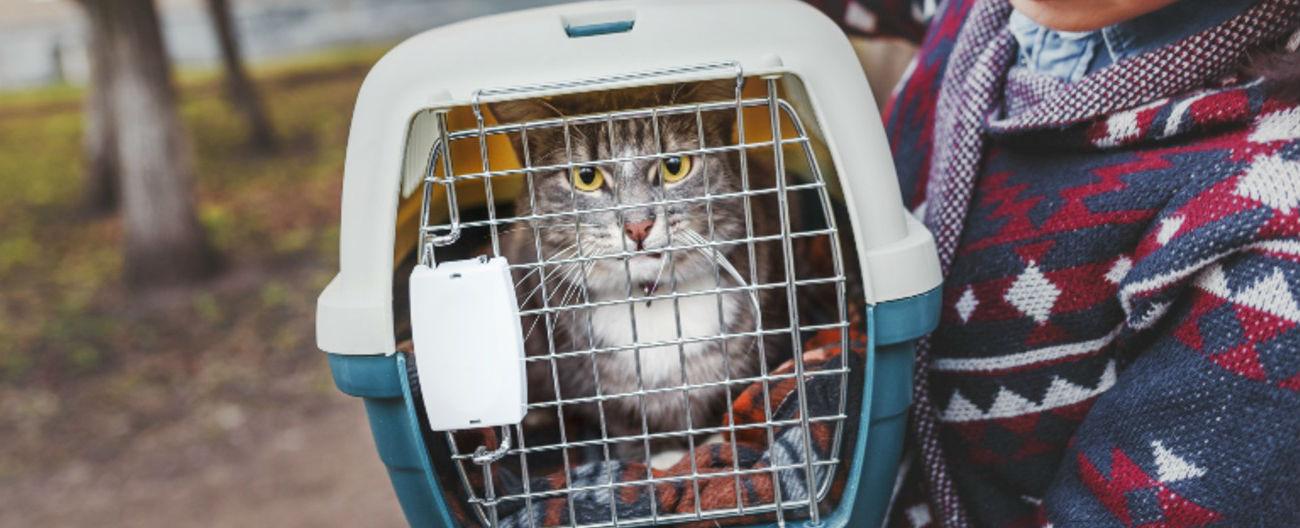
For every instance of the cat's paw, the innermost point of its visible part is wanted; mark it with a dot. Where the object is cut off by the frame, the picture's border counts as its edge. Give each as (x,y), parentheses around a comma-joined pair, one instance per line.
(667,458)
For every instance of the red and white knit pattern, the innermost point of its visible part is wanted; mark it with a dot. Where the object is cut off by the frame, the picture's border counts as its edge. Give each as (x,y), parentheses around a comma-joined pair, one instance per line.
(966,109)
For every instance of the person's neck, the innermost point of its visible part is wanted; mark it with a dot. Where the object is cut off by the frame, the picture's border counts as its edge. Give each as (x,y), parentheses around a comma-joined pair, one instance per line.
(1071,55)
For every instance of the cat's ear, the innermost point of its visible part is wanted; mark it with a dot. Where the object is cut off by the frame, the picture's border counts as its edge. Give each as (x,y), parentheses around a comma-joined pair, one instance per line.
(719,124)
(522,110)
(703,92)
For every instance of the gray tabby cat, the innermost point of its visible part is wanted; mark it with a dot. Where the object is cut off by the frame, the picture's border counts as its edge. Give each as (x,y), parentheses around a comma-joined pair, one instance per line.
(644,228)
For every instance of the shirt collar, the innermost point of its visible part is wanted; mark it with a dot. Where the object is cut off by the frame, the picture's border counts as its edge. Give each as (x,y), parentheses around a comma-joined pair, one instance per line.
(1167,25)
(1071,55)
(1061,54)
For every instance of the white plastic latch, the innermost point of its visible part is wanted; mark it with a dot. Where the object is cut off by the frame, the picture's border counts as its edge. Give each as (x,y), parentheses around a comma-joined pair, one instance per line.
(469,346)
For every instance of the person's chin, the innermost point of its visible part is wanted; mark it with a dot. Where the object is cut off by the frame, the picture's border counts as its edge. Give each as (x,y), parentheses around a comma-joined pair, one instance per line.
(1085,15)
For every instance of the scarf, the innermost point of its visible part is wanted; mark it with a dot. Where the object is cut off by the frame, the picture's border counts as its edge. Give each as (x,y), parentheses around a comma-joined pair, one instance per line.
(968,110)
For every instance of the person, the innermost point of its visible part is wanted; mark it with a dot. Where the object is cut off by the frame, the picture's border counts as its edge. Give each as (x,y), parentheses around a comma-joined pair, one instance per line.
(1114,187)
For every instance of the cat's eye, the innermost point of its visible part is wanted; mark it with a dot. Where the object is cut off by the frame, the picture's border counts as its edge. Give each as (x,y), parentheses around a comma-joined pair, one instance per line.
(674,168)
(587,179)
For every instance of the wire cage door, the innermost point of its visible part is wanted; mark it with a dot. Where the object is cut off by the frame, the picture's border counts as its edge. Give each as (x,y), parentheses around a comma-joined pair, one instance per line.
(744,243)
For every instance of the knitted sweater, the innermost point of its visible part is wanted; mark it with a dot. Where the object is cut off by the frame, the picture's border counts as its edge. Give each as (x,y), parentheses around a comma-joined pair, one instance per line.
(1120,340)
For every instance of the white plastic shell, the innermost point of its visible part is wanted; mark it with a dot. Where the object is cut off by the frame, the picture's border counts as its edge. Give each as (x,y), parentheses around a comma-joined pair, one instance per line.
(470,348)
(445,67)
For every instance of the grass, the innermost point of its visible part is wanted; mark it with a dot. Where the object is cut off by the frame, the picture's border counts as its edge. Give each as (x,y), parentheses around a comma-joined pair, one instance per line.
(85,365)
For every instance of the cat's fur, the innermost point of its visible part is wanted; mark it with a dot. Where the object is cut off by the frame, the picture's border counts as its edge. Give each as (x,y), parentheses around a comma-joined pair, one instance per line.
(601,233)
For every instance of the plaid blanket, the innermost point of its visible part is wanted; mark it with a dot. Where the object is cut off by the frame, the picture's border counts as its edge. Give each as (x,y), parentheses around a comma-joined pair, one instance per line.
(599,497)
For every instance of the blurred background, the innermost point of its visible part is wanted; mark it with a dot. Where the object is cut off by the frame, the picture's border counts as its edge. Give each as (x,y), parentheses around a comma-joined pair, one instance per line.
(169,195)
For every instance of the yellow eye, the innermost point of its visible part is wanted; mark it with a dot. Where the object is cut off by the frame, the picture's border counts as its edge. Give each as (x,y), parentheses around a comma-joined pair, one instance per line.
(587,179)
(674,168)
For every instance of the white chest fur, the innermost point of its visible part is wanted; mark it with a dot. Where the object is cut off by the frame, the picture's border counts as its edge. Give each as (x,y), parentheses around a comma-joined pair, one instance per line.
(666,321)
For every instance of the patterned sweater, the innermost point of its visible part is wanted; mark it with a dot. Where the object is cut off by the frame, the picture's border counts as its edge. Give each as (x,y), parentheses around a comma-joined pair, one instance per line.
(1120,340)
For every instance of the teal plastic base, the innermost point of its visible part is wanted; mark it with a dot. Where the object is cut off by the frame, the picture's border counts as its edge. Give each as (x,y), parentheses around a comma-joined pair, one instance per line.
(892,332)
(381,382)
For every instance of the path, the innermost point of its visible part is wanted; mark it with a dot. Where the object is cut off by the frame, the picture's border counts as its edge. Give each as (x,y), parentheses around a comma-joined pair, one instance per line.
(316,471)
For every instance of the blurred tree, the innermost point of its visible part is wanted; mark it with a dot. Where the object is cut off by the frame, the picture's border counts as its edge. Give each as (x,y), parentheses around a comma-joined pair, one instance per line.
(239,87)
(99,189)
(164,242)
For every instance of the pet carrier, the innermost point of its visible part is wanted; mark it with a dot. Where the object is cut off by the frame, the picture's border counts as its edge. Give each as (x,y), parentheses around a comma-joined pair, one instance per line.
(745,132)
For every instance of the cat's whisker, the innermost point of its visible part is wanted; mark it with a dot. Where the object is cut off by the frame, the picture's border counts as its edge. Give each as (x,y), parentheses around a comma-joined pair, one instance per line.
(563,286)
(562,277)
(529,227)
(563,302)
(570,295)
(663,263)
(560,254)
(538,318)
(529,333)
(583,268)
(575,282)
(562,224)
(721,260)
(532,293)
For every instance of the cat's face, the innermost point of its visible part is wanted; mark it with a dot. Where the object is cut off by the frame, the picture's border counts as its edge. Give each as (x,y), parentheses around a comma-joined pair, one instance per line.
(642,202)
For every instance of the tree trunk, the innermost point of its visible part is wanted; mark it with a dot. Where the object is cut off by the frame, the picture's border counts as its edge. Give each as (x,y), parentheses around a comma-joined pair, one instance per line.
(239,87)
(164,241)
(99,142)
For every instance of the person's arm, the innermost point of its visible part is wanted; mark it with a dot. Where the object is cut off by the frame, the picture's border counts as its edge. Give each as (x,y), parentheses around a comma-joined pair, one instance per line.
(906,19)
(1203,426)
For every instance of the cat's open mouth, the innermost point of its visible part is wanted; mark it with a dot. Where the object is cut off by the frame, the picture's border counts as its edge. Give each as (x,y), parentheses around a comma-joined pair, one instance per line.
(653,256)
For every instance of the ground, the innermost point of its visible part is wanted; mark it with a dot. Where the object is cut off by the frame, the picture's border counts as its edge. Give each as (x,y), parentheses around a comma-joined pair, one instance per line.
(296,467)
(199,406)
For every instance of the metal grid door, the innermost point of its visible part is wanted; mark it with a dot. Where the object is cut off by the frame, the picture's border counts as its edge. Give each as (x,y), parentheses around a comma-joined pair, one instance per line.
(520,451)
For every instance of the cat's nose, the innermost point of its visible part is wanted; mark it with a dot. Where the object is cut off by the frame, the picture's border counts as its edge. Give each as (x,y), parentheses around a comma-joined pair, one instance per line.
(638,231)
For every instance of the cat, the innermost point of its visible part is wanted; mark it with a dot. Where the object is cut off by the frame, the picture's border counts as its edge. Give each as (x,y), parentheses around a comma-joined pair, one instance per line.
(596,230)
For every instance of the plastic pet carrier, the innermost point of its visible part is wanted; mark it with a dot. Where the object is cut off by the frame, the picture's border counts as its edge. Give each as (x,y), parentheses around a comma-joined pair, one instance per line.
(629,263)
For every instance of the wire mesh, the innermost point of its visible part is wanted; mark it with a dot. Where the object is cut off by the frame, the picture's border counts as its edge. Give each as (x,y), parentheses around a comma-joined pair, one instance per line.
(561,292)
